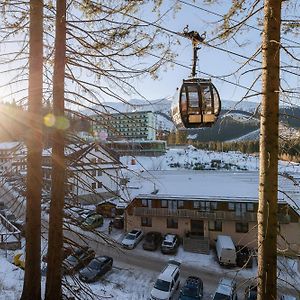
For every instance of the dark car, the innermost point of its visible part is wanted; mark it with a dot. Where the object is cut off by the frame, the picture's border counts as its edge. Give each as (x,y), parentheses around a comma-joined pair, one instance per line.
(251,292)
(65,252)
(96,269)
(118,222)
(244,257)
(77,260)
(152,240)
(170,244)
(192,289)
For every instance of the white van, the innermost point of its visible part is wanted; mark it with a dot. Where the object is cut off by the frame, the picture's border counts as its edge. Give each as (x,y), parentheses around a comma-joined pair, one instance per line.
(226,250)
(167,282)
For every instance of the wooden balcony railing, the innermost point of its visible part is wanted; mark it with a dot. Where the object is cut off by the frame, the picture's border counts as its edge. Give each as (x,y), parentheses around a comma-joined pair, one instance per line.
(194,214)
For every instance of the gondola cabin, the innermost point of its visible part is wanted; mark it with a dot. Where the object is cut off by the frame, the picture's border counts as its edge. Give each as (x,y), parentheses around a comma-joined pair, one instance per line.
(199,104)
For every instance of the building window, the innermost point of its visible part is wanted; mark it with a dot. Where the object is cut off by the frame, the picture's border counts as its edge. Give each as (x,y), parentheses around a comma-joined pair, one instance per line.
(241,227)
(250,207)
(208,206)
(180,204)
(146,221)
(172,223)
(213,205)
(93,185)
(99,185)
(215,225)
(231,206)
(164,203)
(146,203)
(99,172)
(196,204)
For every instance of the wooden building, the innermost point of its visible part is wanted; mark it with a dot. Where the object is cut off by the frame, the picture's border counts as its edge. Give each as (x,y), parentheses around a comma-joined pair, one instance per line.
(207,217)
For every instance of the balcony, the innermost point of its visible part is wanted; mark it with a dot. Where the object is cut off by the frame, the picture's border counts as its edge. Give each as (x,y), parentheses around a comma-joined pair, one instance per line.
(194,214)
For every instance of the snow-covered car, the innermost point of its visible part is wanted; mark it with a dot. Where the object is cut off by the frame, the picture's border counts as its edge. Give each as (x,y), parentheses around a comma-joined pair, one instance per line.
(288,297)
(167,282)
(132,238)
(226,290)
(170,244)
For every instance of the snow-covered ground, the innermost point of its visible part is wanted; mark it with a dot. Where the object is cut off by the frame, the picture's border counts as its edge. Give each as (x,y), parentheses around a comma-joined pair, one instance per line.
(193,172)
(185,171)
(191,158)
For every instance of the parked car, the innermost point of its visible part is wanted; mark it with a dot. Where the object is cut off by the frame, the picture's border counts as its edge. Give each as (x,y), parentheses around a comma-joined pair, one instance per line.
(251,292)
(92,221)
(288,297)
(66,251)
(152,240)
(77,260)
(225,249)
(132,238)
(244,257)
(192,289)
(167,282)
(226,290)
(118,222)
(98,267)
(170,244)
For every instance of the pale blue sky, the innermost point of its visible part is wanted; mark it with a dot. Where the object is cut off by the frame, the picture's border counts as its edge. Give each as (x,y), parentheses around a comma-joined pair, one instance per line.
(213,61)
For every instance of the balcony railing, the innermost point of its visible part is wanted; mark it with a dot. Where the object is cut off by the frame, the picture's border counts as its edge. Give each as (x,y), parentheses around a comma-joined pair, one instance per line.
(194,214)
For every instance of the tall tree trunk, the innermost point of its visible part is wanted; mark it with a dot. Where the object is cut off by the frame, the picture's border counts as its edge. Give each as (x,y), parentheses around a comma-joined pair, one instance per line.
(268,176)
(32,279)
(55,239)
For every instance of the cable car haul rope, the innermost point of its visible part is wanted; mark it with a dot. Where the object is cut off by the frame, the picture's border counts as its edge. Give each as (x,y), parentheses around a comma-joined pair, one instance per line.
(199,102)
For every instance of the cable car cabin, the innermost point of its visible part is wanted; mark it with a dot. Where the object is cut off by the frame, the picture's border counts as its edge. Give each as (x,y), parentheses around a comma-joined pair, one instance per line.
(199,104)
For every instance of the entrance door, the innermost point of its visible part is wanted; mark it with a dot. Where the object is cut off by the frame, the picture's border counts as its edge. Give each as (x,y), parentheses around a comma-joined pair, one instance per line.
(197,227)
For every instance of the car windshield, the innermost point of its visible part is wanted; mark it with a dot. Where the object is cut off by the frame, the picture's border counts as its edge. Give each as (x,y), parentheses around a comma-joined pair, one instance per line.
(90,220)
(221,297)
(189,291)
(166,243)
(130,237)
(162,285)
(72,258)
(95,264)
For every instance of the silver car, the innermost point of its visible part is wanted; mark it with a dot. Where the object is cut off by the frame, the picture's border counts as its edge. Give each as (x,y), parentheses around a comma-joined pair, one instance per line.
(132,238)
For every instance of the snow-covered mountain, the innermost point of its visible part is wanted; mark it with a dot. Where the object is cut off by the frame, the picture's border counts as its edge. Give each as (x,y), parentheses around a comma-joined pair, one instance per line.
(237,121)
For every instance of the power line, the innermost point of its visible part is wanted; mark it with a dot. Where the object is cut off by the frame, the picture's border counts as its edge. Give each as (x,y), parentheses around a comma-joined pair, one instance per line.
(182,35)
(219,15)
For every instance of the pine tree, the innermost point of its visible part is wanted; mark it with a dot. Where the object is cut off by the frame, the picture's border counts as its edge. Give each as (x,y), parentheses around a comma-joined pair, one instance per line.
(32,279)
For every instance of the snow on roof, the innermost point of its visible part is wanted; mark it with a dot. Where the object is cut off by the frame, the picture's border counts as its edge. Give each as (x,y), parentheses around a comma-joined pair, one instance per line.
(240,186)
(9,145)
